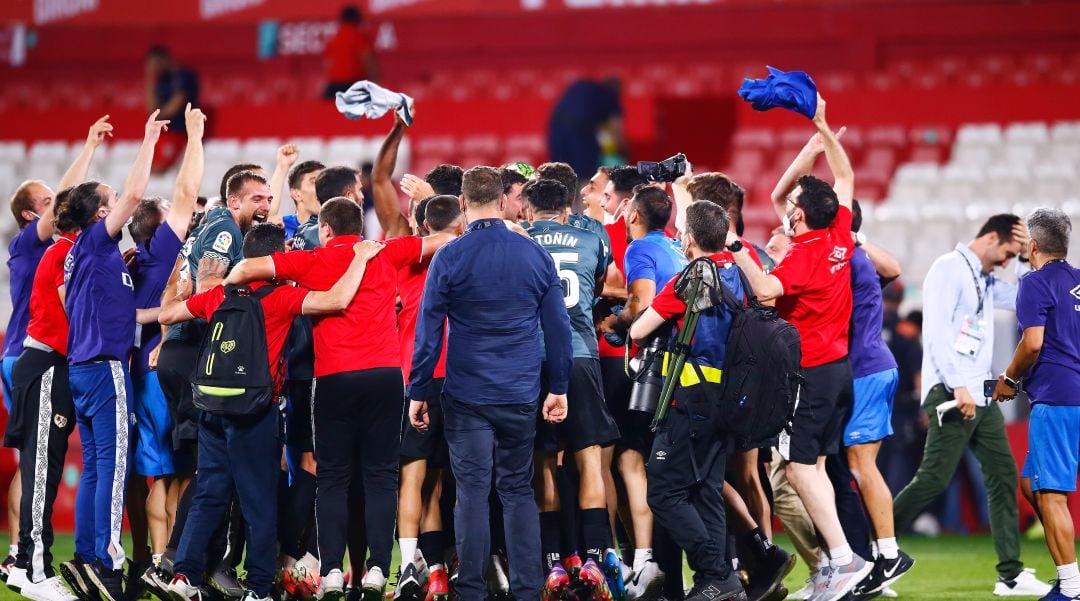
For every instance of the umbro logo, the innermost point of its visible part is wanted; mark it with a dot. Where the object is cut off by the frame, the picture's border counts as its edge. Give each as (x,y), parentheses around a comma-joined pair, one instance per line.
(1075,292)
(661,455)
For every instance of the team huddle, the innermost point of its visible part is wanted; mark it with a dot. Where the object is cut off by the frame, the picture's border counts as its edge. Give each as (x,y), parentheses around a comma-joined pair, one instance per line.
(475,385)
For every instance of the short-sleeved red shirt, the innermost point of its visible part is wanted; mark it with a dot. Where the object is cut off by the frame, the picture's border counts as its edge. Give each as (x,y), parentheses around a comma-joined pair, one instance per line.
(816,277)
(48,320)
(617,233)
(345,55)
(411,291)
(364,335)
(279,309)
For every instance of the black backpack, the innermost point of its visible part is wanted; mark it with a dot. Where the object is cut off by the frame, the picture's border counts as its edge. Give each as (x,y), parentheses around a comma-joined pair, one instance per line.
(762,371)
(233,374)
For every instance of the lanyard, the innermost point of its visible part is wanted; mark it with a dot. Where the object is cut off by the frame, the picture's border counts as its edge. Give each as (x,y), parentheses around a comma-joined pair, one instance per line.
(978,289)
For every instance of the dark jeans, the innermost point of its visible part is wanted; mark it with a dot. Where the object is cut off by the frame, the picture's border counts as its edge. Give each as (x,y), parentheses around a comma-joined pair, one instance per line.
(482,439)
(686,481)
(357,417)
(242,454)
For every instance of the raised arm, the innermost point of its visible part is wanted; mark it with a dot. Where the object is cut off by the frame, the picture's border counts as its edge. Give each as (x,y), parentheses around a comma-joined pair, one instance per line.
(839,164)
(886,265)
(387,208)
(286,158)
(190,175)
(342,292)
(76,173)
(135,185)
(802,165)
(173,303)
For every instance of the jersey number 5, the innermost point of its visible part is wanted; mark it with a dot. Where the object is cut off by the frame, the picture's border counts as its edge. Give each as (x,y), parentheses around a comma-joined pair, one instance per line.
(571,285)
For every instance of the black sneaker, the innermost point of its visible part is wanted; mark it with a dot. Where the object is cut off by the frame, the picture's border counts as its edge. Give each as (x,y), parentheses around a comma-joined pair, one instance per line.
(74,574)
(157,582)
(729,589)
(5,567)
(225,583)
(885,572)
(767,577)
(133,584)
(109,583)
(408,585)
(352,593)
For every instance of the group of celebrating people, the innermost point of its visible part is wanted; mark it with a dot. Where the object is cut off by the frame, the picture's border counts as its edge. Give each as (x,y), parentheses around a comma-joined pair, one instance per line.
(463,385)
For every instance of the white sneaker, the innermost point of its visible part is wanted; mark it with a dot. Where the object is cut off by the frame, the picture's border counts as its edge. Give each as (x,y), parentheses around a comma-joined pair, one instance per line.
(373,585)
(181,590)
(1024,585)
(804,593)
(332,586)
(888,593)
(646,584)
(819,582)
(17,579)
(50,589)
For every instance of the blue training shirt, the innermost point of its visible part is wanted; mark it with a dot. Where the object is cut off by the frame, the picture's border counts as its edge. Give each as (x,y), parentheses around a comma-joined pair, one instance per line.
(655,257)
(24,253)
(100,298)
(154,260)
(579,256)
(496,288)
(1050,297)
(868,351)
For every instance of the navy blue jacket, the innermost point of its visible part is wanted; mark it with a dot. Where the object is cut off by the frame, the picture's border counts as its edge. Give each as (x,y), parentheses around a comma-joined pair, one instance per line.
(496,288)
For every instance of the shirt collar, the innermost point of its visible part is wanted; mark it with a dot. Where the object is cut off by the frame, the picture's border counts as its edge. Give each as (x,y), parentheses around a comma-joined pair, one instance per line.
(70,237)
(342,241)
(722,258)
(480,224)
(806,237)
(313,220)
(972,259)
(656,234)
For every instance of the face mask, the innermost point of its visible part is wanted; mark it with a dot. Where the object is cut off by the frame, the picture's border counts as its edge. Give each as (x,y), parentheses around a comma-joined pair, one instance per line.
(608,218)
(36,216)
(789,228)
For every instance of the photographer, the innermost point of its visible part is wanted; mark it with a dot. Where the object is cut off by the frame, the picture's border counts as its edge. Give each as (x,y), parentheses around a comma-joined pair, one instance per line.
(1048,359)
(686,469)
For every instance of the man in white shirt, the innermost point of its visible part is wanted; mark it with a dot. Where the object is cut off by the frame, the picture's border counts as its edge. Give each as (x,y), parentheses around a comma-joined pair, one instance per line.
(959,297)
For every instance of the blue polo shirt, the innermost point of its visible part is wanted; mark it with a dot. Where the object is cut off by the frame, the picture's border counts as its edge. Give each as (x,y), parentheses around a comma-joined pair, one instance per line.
(24,253)
(1050,297)
(100,299)
(497,289)
(154,260)
(655,257)
(869,353)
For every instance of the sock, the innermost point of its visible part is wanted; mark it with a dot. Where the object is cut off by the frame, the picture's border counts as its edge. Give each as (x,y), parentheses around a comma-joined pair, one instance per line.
(595,532)
(431,546)
(13,550)
(758,543)
(888,548)
(550,539)
(874,551)
(1069,579)
(842,555)
(641,556)
(408,550)
(156,559)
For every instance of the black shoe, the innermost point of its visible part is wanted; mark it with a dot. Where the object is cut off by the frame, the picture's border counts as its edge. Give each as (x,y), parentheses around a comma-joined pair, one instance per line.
(729,589)
(885,572)
(767,577)
(133,584)
(109,583)
(74,574)
(225,583)
(155,580)
(352,593)
(5,567)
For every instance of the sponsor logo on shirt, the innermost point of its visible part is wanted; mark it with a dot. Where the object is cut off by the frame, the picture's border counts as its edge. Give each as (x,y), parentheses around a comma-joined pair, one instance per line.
(1076,294)
(222,242)
(838,256)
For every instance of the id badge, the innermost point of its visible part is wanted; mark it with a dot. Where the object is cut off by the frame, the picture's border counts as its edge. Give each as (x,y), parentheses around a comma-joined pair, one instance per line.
(971,337)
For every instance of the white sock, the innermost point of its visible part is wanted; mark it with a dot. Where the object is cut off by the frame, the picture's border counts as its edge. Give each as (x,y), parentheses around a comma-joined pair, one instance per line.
(841,556)
(888,548)
(156,559)
(1069,579)
(641,556)
(874,551)
(822,559)
(13,550)
(408,549)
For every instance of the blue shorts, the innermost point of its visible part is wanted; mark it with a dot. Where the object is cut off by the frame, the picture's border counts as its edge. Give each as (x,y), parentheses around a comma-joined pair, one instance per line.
(5,372)
(154,450)
(871,415)
(1053,447)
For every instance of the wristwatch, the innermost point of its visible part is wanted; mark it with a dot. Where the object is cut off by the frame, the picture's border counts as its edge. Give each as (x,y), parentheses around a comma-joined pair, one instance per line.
(860,239)
(1014,384)
(735,246)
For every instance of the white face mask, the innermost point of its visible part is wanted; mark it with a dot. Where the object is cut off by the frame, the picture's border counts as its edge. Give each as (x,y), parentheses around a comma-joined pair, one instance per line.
(789,228)
(608,218)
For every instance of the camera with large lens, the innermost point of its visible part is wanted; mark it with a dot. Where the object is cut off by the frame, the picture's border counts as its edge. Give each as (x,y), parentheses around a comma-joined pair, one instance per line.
(646,371)
(667,170)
